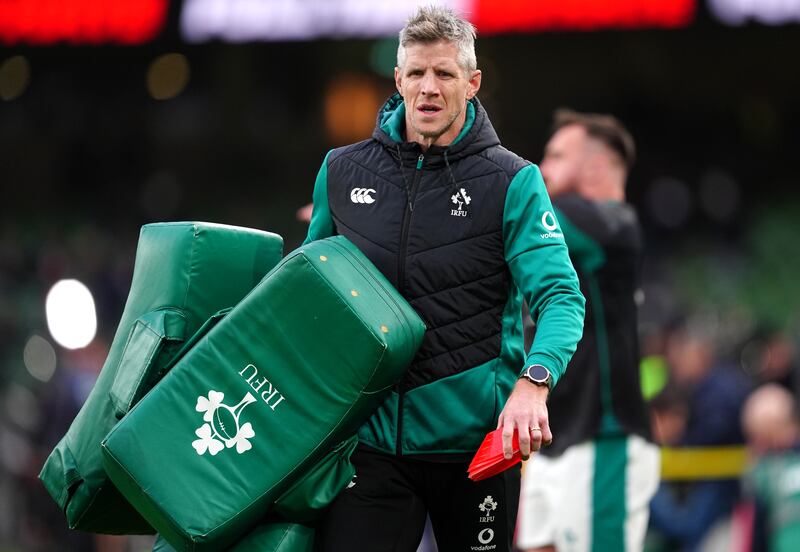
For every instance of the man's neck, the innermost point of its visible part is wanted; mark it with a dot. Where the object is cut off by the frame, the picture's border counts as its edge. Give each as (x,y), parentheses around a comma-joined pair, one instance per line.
(611,194)
(443,140)
(425,142)
(607,190)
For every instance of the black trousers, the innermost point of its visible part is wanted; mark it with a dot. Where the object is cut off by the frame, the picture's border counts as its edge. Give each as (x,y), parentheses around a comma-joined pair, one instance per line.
(385,509)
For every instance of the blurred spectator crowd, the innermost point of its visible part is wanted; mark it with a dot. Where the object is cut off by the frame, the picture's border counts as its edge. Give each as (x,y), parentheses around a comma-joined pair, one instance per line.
(716,400)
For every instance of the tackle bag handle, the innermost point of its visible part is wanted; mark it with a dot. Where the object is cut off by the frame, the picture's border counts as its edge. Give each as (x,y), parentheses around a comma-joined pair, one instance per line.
(152,338)
(155,344)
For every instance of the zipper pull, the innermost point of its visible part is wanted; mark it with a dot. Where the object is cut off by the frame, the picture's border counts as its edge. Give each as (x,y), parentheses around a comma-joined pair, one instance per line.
(419,160)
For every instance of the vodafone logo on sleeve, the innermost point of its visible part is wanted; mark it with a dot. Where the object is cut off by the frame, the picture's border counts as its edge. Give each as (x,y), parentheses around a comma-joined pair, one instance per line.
(550,224)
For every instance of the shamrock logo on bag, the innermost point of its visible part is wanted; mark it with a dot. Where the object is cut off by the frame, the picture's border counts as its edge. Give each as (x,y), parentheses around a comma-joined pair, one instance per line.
(222,428)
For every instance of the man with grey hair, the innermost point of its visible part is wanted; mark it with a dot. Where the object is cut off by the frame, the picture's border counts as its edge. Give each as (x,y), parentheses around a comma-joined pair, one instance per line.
(464,229)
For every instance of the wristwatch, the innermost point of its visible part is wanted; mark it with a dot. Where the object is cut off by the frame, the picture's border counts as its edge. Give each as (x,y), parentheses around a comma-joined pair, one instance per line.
(538,375)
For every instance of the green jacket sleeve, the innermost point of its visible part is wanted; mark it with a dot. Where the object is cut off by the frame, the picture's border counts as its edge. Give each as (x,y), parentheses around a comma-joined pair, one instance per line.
(585,230)
(540,266)
(321,222)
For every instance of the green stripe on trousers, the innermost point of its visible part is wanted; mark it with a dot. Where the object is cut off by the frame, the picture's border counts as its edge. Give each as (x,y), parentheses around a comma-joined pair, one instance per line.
(608,494)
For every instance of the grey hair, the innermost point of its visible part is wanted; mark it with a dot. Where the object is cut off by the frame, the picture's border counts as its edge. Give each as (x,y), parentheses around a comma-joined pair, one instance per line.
(434,23)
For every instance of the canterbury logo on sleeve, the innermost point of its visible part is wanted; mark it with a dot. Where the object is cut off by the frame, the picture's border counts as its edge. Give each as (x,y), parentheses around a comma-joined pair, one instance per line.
(362,195)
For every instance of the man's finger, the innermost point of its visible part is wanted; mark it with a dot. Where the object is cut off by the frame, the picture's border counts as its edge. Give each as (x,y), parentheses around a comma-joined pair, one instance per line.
(547,435)
(536,438)
(508,434)
(524,436)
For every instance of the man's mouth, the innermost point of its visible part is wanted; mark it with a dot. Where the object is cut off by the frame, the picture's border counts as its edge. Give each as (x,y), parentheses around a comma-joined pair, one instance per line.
(429,109)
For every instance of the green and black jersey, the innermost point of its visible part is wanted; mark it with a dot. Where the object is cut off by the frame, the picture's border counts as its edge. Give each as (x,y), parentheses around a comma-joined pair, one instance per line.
(463,232)
(600,393)
(774,485)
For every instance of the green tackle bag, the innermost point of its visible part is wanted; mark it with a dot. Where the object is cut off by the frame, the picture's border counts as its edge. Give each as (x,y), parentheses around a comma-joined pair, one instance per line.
(291,372)
(312,492)
(279,536)
(297,508)
(184,272)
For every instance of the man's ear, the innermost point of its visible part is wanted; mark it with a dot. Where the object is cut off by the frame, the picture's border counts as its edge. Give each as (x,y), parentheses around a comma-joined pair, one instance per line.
(601,164)
(591,170)
(398,80)
(474,84)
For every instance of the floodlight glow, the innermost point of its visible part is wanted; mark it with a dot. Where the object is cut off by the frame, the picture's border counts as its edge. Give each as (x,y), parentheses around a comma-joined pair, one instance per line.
(40,358)
(769,12)
(253,20)
(167,76)
(71,316)
(15,74)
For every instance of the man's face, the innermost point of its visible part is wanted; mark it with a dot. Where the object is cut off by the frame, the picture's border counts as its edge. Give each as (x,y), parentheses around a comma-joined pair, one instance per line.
(564,159)
(435,90)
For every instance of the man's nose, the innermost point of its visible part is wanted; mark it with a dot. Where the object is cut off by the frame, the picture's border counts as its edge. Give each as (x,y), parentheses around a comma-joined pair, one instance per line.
(429,85)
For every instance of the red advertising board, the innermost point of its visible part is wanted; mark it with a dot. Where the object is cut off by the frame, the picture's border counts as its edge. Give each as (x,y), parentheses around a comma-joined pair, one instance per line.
(81,21)
(491,16)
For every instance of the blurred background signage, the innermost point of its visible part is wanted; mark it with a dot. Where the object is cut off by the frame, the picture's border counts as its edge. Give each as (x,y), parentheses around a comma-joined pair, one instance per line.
(81,21)
(541,15)
(43,22)
(769,12)
(247,20)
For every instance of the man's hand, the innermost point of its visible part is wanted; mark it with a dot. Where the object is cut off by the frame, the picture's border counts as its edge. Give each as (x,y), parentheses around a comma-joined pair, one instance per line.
(525,411)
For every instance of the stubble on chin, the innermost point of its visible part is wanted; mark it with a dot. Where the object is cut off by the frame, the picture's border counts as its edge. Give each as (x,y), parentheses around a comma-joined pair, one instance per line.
(434,135)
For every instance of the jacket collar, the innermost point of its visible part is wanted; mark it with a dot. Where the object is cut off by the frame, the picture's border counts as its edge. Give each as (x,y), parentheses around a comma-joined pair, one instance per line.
(477,134)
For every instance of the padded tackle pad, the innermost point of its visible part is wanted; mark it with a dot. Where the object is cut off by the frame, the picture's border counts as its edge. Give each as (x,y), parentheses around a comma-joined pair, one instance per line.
(184,272)
(278,536)
(289,373)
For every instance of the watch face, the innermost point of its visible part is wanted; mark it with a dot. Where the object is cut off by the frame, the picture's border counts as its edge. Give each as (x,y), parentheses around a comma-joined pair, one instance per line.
(538,372)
